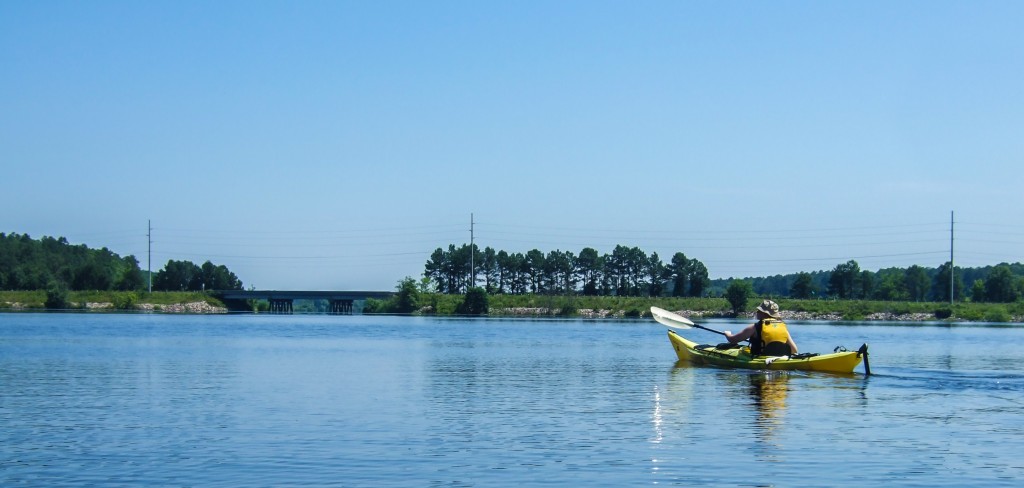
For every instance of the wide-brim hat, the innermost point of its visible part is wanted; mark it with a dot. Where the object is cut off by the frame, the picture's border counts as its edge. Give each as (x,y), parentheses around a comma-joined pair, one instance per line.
(769,308)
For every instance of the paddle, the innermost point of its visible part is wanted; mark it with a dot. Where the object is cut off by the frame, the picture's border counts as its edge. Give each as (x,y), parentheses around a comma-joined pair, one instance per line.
(669,319)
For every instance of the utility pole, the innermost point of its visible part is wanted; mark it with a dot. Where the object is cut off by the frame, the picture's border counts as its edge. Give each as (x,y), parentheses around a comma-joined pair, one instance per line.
(472,254)
(951,288)
(149,254)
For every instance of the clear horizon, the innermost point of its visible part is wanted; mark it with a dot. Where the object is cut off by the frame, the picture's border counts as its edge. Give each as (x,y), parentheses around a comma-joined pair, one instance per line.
(335,145)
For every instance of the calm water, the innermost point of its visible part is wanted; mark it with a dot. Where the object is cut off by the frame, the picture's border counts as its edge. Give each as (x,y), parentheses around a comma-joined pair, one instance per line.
(115,400)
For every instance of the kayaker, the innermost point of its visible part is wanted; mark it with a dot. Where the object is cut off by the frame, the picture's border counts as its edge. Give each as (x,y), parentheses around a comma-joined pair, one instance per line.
(769,336)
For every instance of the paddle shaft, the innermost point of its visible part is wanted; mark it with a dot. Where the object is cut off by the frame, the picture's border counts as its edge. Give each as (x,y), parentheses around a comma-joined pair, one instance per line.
(708,329)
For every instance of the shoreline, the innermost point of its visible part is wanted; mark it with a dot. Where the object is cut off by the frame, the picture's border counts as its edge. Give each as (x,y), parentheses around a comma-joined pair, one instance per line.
(203,308)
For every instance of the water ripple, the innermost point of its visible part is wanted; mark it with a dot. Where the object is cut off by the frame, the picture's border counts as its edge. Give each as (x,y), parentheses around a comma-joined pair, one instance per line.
(354,401)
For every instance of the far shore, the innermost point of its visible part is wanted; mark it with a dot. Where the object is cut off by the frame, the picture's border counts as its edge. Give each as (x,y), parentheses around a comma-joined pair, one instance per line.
(538,306)
(205,308)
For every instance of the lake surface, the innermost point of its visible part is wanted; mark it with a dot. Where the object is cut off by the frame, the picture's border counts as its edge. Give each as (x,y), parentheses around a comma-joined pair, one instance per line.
(244,400)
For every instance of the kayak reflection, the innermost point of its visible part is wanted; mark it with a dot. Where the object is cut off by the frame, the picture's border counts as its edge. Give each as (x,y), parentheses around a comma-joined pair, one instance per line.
(769,390)
(748,407)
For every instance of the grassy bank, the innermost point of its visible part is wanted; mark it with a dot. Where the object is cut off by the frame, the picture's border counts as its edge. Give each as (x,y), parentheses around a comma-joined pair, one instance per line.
(514,305)
(568,306)
(862,309)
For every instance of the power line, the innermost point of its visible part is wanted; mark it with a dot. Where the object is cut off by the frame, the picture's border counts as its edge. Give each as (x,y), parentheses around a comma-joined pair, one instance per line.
(938,225)
(344,256)
(795,260)
(292,233)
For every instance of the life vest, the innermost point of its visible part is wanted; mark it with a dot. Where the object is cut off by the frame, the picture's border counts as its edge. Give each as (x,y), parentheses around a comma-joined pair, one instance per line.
(771,339)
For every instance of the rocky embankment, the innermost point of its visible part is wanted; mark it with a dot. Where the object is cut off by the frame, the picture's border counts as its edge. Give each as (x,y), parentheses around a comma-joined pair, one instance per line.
(191,307)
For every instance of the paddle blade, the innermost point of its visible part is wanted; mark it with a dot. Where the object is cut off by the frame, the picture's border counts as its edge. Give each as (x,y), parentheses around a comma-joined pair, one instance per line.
(669,319)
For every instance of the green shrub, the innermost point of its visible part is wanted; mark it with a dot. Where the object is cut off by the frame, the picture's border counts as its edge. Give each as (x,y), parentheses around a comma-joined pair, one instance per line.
(408,298)
(443,304)
(738,293)
(57,296)
(970,313)
(901,308)
(943,313)
(374,305)
(997,314)
(125,300)
(475,302)
(853,316)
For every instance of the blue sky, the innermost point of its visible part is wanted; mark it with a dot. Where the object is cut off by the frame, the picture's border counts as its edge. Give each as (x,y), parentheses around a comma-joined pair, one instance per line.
(335,145)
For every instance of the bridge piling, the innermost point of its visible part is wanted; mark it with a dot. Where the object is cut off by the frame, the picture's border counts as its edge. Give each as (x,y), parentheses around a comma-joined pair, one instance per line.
(281,306)
(341,307)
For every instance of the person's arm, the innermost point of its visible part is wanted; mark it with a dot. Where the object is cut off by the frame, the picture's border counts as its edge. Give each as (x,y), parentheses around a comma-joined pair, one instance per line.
(792,345)
(742,335)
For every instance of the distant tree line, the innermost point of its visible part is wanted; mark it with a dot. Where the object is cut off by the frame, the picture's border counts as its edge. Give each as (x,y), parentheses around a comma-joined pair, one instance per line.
(626,271)
(629,271)
(1001,283)
(30,264)
(187,276)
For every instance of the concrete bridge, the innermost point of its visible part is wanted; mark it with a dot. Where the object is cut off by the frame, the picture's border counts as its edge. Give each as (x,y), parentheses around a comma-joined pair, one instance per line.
(340,302)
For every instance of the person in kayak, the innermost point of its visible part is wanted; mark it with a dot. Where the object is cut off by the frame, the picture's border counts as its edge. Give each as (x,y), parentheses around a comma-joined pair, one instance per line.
(769,336)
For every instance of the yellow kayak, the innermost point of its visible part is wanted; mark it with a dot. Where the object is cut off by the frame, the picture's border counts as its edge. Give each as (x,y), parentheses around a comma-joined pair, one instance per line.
(734,356)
